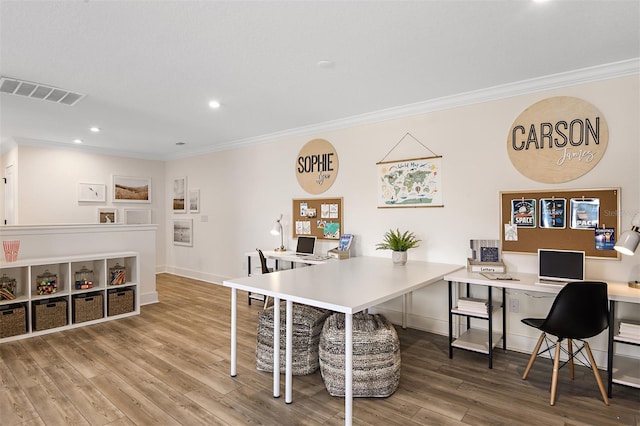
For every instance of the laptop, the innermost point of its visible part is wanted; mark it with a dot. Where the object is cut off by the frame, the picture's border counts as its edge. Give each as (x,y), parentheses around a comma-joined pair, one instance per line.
(306,245)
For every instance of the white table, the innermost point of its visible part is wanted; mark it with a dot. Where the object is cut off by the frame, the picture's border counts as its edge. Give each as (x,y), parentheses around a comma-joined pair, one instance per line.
(347,286)
(617,292)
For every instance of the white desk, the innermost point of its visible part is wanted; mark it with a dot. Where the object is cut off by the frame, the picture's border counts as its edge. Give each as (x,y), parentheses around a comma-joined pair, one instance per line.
(617,292)
(348,286)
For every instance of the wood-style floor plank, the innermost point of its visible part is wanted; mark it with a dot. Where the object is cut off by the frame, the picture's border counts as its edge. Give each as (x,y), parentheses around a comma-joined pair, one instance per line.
(170,366)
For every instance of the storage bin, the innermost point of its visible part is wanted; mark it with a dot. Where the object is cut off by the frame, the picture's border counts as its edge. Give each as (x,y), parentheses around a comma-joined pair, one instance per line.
(117,275)
(84,279)
(13,320)
(120,301)
(7,288)
(47,283)
(87,307)
(49,313)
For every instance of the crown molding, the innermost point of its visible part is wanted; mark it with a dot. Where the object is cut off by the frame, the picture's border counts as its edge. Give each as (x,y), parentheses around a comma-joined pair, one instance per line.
(554,81)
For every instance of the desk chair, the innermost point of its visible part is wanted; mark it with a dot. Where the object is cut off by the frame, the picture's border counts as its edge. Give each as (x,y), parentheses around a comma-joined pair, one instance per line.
(579,311)
(265,270)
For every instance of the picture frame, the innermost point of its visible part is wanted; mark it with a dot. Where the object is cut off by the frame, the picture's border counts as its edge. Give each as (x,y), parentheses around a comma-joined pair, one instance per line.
(179,195)
(131,189)
(425,175)
(137,216)
(92,192)
(107,215)
(183,232)
(194,201)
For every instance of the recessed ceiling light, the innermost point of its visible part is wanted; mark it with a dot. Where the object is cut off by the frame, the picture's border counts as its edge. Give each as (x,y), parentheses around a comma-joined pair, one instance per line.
(326,64)
(214,104)
(94,129)
(78,141)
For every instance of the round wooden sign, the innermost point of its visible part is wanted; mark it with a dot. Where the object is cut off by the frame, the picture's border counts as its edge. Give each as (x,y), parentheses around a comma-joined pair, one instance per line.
(317,166)
(558,139)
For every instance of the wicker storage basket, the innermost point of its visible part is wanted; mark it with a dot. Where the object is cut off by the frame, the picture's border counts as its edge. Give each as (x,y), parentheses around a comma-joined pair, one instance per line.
(120,301)
(87,307)
(13,320)
(49,313)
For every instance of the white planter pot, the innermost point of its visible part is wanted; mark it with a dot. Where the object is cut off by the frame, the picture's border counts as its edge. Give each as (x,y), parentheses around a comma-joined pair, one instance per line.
(399,257)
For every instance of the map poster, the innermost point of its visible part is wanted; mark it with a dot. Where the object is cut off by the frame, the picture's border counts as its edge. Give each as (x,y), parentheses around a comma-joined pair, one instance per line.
(410,183)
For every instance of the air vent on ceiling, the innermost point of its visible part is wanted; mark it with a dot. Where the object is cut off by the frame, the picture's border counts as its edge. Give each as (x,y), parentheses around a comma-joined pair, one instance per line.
(14,86)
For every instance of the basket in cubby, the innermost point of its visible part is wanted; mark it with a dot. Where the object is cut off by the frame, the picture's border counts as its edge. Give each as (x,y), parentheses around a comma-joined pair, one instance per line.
(120,301)
(13,320)
(87,307)
(49,313)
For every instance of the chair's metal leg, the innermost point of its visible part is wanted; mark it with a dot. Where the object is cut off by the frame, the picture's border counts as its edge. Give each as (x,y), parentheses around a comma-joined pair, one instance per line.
(570,350)
(266,302)
(534,355)
(594,367)
(554,377)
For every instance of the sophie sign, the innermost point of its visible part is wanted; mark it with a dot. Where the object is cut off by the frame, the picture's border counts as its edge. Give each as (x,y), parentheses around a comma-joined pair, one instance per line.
(317,166)
(558,139)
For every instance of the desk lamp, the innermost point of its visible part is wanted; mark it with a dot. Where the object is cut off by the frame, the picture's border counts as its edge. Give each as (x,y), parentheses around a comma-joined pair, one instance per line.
(277,230)
(629,240)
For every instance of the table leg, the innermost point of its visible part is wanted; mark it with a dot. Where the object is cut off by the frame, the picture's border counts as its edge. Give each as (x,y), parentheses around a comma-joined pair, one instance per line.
(234,337)
(289,352)
(348,369)
(404,310)
(276,347)
(612,318)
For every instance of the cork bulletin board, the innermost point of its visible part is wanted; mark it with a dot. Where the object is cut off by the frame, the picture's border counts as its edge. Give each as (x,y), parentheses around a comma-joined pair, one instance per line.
(577,219)
(319,217)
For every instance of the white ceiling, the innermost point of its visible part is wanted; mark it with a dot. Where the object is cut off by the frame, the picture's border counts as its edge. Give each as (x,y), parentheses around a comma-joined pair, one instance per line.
(149,68)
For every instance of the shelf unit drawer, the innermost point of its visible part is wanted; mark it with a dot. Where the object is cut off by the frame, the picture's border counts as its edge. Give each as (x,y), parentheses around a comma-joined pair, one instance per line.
(13,320)
(88,307)
(49,313)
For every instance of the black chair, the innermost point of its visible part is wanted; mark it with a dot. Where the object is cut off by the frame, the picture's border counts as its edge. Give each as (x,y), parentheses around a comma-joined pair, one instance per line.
(579,311)
(265,270)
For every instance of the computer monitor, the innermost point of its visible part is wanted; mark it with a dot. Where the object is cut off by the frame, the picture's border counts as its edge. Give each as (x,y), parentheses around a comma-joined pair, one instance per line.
(306,244)
(560,265)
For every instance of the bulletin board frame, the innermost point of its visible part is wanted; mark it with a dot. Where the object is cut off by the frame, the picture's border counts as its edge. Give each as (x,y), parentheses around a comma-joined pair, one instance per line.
(319,217)
(530,239)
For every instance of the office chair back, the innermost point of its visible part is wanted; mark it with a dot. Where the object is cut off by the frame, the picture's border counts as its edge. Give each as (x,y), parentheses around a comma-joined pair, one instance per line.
(579,311)
(263,262)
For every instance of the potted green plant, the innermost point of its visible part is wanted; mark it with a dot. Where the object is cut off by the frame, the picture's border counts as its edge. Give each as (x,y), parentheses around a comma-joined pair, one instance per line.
(399,242)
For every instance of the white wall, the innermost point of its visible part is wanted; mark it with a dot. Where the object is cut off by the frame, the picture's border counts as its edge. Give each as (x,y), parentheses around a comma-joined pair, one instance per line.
(48,187)
(244,190)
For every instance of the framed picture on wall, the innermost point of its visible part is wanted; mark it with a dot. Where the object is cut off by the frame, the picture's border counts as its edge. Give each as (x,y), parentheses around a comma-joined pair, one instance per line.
(183,232)
(107,215)
(179,195)
(137,216)
(92,192)
(127,189)
(194,201)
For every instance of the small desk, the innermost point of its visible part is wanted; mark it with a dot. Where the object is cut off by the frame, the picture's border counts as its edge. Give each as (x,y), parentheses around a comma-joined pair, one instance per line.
(348,286)
(617,292)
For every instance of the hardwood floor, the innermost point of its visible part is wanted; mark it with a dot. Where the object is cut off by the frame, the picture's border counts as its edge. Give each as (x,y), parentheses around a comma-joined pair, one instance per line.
(170,366)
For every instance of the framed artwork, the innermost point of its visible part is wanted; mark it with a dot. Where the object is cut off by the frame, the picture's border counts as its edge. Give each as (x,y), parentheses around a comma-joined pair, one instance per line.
(92,192)
(179,195)
(137,216)
(416,182)
(194,201)
(107,215)
(127,189)
(183,232)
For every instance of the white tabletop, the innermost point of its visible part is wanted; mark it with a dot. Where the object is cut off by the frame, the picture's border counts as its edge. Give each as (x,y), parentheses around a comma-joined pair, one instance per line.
(619,292)
(349,285)
(292,256)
